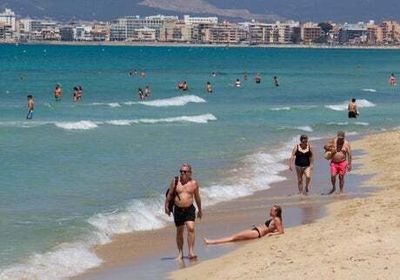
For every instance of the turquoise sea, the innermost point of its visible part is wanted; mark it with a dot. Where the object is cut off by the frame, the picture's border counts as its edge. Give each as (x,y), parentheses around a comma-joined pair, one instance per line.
(78,173)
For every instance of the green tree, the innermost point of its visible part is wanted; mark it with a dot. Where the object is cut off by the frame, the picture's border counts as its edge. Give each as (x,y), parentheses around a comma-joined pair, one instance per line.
(325,27)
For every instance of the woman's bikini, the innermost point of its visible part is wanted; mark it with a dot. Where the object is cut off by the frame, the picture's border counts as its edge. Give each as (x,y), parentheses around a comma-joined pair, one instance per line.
(270,224)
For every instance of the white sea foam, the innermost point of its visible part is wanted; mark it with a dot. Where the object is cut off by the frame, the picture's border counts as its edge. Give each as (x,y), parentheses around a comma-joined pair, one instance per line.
(80,125)
(305,128)
(338,123)
(361,103)
(281,109)
(87,124)
(111,104)
(195,119)
(347,123)
(120,122)
(174,101)
(369,90)
(362,123)
(65,261)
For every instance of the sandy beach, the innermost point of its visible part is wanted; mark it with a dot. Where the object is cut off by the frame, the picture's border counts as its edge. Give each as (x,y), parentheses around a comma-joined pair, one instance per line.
(359,239)
(150,254)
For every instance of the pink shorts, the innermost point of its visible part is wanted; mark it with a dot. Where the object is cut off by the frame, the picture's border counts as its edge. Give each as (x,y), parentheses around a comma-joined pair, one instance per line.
(339,168)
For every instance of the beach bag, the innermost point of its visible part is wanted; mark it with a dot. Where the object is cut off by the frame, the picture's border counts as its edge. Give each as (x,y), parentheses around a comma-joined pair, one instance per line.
(328,155)
(172,201)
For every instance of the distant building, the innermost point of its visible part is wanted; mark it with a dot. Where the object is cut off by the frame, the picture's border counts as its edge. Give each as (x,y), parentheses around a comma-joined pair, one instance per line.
(126,28)
(310,32)
(199,20)
(67,33)
(390,32)
(374,34)
(8,18)
(6,33)
(353,34)
(272,33)
(175,32)
(224,33)
(100,32)
(144,34)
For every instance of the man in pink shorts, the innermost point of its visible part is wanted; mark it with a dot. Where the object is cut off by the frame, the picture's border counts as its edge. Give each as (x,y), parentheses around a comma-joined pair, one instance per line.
(341,160)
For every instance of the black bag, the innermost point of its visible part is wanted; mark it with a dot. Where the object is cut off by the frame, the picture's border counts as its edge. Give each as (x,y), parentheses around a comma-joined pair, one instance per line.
(172,200)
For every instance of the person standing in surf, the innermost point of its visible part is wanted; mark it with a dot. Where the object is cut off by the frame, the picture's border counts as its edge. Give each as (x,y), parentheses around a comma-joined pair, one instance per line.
(352,108)
(30,105)
(303,158)
(184,190)
(393,80)
(58,92)
(340,160)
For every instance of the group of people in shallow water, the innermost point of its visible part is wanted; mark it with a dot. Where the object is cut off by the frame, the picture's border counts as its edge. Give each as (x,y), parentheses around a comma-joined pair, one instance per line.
(144,94)
(184,192)
(77,93)
(58,94)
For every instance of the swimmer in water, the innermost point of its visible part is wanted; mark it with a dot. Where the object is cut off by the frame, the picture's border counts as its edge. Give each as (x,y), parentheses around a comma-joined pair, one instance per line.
(58,92)
(75,94)
(257,78)
(183,86)
(245,76)
(30,105)
(393,80)
(140,94)
(147,92)
(237,83)
(209,87)
(276,81)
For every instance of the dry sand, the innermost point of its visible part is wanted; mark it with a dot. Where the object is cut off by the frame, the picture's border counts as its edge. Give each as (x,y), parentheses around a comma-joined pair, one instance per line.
(359,239)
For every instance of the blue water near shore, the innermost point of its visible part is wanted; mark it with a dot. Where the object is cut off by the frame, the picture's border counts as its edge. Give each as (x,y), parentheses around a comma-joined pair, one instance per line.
(79,173)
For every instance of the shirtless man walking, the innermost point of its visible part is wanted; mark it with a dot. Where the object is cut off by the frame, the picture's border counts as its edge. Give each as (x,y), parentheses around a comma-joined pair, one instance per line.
(341,160)
(184,191)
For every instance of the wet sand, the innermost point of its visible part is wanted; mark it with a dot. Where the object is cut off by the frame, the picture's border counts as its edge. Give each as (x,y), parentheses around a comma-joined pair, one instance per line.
(151,254)
(359,238)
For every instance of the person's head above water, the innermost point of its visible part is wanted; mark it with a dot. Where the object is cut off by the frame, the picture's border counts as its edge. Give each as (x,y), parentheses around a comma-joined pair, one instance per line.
(353,100)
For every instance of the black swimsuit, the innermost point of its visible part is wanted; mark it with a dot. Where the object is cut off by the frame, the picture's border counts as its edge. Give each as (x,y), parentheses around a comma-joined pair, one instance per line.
(267,222)
(303,159)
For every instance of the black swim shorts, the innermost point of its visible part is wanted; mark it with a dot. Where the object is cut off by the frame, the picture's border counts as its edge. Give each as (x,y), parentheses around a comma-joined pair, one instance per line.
(352,114)
(184,214)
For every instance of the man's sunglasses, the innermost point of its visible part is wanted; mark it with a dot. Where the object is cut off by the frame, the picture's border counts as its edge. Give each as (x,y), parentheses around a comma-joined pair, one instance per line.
(184,171)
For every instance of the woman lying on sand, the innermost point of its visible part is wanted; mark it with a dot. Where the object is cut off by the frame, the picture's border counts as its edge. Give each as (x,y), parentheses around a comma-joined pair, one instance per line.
(273,226)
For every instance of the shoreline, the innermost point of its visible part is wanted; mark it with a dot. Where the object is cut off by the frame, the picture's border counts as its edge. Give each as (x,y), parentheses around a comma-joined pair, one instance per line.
(121,258)
(191,45)
(358,239)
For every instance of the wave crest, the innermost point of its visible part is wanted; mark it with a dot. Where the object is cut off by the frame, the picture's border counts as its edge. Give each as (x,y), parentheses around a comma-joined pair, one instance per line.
(362,103)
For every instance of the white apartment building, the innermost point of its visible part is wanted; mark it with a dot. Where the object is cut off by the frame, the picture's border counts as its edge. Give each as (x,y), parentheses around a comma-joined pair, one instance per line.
(272,33)
(199,20)
(8,18)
